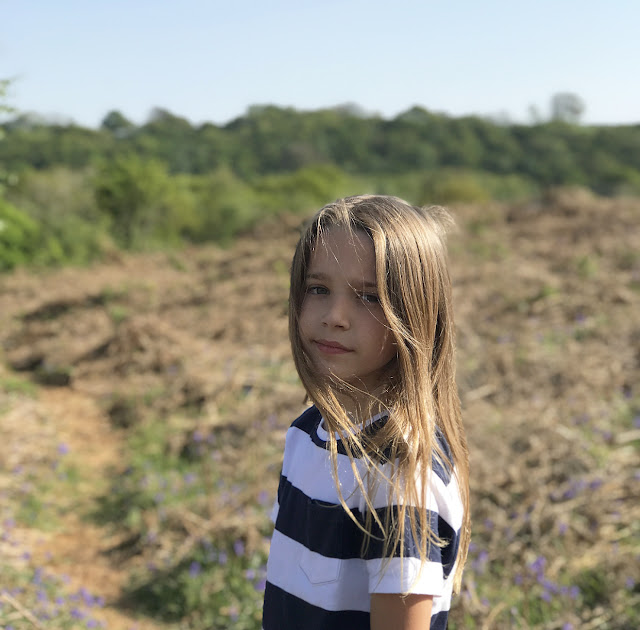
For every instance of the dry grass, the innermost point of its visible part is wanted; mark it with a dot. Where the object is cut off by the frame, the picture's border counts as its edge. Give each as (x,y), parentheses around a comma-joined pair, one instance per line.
(547,296)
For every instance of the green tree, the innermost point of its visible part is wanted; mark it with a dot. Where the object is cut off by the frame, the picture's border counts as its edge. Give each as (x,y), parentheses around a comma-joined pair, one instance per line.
(144,205)
(224,206)
(4,109)
(61,201)
(115,123)
(19,237)
(567,107)
(168,138)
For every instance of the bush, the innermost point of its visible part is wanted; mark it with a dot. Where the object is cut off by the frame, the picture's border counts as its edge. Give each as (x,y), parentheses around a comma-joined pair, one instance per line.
(224,206)
(447,186)
(19,237)
(61,202)
(450,186)
(145,207)
(304,190)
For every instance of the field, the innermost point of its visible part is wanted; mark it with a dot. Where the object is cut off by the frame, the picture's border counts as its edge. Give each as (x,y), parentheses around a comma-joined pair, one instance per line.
(144,402)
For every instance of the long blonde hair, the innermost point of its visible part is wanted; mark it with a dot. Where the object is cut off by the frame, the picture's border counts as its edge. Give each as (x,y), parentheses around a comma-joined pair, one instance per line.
(420,393)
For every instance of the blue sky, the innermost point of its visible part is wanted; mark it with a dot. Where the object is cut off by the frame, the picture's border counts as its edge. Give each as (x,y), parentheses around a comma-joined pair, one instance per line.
(210,60)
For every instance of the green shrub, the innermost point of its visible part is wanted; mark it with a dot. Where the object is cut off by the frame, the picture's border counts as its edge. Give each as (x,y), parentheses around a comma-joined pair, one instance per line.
(61,202)
(224,206)
(19,237)
(304,190)
(447,186)
(450,186)
(144,205)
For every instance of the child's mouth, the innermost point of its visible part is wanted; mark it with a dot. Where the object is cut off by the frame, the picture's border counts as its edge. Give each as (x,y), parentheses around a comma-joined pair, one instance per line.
(331,347)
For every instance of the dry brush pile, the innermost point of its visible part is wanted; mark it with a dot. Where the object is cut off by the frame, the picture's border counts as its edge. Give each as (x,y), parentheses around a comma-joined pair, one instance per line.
(548,302)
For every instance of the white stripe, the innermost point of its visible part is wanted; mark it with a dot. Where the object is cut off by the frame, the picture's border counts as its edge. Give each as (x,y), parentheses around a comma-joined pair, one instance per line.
(288,561)
(335,585)
(399,576)
(448,500)
(308,468)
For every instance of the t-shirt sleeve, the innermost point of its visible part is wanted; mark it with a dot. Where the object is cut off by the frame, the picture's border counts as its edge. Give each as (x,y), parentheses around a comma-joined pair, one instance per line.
(404,572)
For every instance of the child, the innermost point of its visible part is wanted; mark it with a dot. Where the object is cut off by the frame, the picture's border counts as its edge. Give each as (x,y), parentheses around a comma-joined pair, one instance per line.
(372,515)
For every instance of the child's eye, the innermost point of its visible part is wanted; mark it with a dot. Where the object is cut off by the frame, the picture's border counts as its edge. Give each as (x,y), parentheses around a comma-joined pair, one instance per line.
(316,290)
(370,298)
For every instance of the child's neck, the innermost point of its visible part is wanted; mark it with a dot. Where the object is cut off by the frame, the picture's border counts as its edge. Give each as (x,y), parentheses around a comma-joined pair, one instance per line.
(360,408)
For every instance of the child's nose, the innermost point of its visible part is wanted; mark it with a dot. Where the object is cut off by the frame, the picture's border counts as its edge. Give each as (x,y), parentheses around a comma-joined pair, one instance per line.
(337,313)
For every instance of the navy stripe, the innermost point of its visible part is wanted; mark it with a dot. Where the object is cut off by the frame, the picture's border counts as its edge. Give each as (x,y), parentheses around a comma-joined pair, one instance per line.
(283,611)
(308,421)
(439,621)
(369,431)
(311,418)
(327,529)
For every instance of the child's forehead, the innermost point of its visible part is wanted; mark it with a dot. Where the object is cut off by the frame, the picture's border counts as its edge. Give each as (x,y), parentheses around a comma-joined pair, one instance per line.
(343,251)
(340,242)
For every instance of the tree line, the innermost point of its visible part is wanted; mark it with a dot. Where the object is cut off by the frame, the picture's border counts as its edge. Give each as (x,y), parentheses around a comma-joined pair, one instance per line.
(270,139)
(69,192)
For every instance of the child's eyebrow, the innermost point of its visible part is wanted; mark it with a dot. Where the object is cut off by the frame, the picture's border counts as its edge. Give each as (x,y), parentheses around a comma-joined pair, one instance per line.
(366,284)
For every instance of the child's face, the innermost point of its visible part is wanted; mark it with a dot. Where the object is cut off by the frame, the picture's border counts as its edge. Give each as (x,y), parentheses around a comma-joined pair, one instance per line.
(342,326)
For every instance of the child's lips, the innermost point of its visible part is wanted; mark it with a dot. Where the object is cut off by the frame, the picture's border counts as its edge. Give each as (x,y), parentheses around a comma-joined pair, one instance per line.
(331,347)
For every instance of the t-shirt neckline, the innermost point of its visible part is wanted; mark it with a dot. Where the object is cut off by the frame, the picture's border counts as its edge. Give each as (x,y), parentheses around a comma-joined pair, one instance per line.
(323,434)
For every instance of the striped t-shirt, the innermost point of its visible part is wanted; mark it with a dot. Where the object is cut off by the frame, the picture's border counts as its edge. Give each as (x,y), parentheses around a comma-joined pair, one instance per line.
(317,575)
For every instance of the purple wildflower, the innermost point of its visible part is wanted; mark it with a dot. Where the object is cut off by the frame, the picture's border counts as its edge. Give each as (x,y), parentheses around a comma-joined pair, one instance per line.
(480,563)
(37,576)
(195,569)
(538,565)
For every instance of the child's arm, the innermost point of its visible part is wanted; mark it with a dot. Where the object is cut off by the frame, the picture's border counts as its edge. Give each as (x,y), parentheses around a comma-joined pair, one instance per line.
(389,610)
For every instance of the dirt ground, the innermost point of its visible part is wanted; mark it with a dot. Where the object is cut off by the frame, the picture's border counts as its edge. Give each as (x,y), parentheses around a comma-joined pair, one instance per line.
(547,301)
